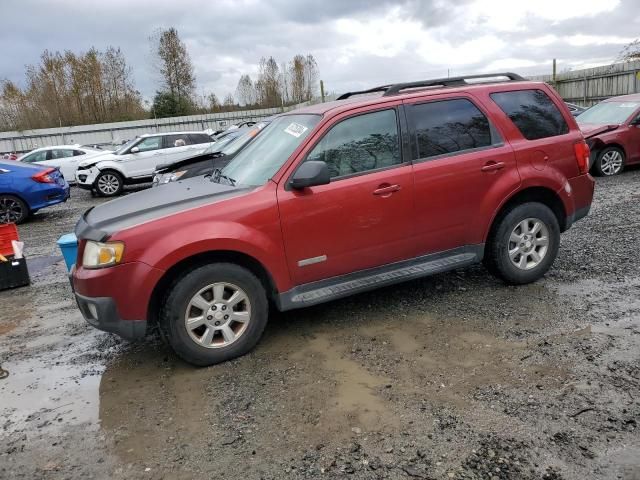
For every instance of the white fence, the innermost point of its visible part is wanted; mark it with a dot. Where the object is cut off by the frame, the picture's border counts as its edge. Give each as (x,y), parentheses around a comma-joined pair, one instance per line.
(116,133)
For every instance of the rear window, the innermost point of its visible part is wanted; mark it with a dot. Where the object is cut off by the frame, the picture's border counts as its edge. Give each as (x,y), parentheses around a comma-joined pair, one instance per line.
(449,126)
(533,112)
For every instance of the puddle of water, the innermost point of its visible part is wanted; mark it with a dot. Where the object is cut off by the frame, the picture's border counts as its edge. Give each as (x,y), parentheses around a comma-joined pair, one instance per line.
(48,396)
(355,390)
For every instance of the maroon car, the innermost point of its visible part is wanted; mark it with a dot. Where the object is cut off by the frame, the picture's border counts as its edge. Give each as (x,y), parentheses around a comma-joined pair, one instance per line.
(612,130)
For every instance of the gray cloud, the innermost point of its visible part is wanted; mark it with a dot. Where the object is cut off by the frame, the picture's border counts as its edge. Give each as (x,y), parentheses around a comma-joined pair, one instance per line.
(227,38)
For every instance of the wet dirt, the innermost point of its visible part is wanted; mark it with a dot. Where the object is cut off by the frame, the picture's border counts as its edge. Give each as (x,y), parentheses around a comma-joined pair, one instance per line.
(453,376)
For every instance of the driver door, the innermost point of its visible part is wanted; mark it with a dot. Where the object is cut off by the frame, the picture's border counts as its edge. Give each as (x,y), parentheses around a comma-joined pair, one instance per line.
(143,162)
(362,218)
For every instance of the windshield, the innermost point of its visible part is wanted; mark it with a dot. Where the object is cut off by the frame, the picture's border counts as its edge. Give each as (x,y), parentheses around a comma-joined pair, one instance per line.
(126,146)
(266,154)
(242,140)
(608,113)
(218,145)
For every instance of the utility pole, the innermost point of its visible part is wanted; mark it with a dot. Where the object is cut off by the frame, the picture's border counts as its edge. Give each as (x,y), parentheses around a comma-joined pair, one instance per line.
(322,90)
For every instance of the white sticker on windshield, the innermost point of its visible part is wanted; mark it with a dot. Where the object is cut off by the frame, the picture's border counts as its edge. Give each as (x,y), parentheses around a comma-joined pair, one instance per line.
(295,129)
(629,105)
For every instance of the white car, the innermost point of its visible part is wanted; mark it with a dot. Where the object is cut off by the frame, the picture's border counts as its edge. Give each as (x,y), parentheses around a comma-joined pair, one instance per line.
(65,157)
(135,161)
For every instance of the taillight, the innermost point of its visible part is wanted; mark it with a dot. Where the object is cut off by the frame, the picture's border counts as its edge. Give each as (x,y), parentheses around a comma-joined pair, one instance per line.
(582,156)
(44,176)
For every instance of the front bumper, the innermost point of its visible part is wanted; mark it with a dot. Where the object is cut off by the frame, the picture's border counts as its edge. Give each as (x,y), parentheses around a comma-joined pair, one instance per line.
(102,313)
(86,178)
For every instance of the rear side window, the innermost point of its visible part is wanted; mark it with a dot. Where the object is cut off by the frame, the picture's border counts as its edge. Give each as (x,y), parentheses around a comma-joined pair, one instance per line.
(55,154)
(180,140)
(449,126)
(533,112)
(197,138)
(77,153)
(359,144)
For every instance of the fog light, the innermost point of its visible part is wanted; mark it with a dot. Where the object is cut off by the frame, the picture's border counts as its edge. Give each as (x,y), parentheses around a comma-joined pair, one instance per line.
(92,310)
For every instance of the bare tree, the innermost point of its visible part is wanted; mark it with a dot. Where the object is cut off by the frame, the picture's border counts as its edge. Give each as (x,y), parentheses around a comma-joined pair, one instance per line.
(174,65)
(245,91)
(268,84)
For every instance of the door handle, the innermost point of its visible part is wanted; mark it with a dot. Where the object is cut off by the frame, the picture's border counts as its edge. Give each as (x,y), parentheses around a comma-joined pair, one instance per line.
(492,166)
(385,189)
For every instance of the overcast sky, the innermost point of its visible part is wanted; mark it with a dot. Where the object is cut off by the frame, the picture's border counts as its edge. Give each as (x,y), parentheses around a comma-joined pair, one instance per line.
(357,43)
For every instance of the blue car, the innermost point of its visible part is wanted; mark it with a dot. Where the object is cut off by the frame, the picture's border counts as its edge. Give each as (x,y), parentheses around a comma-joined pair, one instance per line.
(25,189)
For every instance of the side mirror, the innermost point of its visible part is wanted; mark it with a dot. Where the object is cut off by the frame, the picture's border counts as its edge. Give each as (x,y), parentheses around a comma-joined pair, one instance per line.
(310,174)
(134,150)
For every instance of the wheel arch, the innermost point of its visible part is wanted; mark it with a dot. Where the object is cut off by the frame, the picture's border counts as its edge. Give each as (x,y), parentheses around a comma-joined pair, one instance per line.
(543,195)
(192,262)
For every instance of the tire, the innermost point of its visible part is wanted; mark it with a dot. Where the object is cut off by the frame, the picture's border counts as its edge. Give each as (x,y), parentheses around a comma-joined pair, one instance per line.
(502,253)
(610,161)
(109,183)
(221,330)
(12,209)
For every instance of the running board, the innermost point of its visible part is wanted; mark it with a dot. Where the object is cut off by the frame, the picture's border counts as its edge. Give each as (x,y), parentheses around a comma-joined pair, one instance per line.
(362,281)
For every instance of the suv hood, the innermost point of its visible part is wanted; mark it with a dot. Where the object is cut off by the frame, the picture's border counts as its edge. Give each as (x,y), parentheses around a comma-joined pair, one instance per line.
(99,223)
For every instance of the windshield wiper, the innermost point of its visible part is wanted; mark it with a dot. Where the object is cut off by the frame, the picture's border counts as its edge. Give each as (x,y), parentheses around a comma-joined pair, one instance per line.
(217,175)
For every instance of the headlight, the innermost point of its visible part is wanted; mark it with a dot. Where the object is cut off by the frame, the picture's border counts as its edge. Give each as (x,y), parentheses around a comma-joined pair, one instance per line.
(170,177)
(99,255)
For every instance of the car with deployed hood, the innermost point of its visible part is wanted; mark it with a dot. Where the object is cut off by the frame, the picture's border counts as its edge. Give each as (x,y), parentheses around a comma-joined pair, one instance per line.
(215,157)
(25,189)
(135,161)
(612,130)
(379,187)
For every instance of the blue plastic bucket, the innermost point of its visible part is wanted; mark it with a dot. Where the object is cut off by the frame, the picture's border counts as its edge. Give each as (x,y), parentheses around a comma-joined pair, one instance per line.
(68,245)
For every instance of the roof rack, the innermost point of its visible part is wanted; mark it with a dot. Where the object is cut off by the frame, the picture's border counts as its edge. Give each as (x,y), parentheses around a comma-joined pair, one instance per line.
(438,82)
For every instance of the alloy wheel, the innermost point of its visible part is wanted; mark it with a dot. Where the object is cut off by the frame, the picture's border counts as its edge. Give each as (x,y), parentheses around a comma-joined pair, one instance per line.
(11,210)
(611,162)
(218,315)
(108,184)
(528,243)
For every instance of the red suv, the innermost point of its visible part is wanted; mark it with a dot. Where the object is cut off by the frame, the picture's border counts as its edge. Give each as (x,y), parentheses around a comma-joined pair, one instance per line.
(335,199)
(612,129)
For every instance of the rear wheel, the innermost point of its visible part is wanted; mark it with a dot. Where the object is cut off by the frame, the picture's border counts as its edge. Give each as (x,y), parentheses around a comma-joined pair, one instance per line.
(12,209)
(523,244)
(214,313)
(610,161)
(109,183)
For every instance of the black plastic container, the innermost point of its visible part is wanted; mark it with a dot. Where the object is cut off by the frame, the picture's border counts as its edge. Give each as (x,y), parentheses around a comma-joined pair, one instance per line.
(14,273)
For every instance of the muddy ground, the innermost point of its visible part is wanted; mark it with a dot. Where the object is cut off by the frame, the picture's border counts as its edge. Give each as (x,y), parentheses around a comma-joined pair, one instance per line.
(454,376)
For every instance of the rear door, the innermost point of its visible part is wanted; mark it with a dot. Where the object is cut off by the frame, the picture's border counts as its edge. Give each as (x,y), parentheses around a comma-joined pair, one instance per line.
(177,147)
(362,219)
(462,168)
(64,159)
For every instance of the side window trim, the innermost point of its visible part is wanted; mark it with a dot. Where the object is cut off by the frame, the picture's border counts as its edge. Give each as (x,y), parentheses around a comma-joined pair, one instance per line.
(403,159)
(496,139)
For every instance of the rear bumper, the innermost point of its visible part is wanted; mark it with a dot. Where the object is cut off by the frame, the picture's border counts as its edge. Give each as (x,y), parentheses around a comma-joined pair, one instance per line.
(580,190)
(102,313)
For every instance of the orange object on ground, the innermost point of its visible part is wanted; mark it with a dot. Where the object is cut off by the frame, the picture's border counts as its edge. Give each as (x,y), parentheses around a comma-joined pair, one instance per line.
(8,232)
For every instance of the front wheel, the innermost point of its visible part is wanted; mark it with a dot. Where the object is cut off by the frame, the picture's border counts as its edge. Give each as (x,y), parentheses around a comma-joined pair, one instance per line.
(214,313)
(12,209)
(523,244)
(609,162)
(109,183)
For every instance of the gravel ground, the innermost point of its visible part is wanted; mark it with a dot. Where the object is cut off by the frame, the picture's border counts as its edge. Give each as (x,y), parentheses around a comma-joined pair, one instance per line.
(454,376)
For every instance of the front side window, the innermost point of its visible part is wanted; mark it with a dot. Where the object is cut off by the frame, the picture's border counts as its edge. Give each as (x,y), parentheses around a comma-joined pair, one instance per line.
(40,156)
(149,143)
(263,157)
(359,144)
(448,126)
(533,112)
